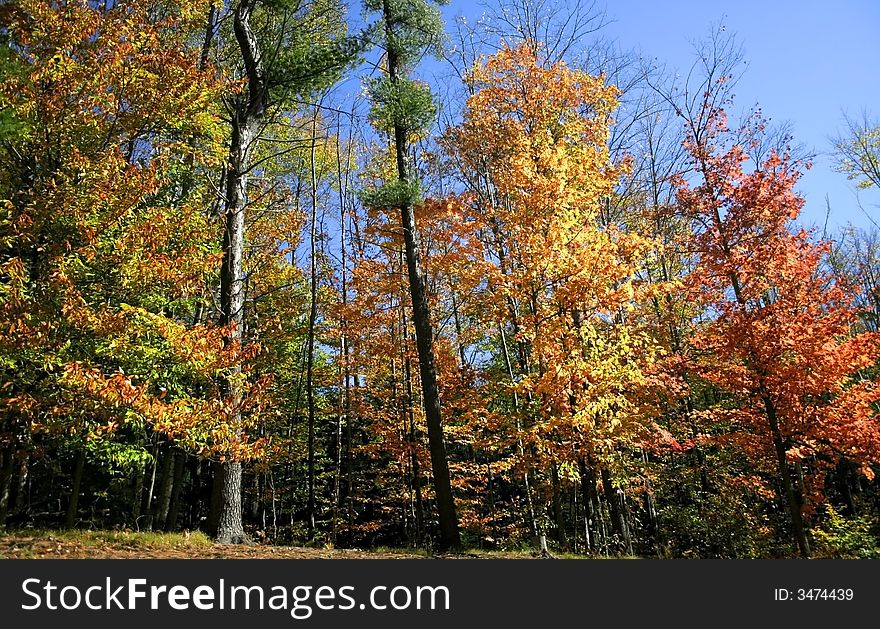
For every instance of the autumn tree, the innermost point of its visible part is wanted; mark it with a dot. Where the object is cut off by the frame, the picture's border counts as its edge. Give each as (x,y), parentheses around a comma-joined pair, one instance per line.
(532,149)
(777,338)
(402,108)
(284,51)
(105,246)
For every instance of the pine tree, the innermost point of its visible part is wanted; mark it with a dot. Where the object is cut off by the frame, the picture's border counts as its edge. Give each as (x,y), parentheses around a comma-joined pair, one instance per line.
(402,108)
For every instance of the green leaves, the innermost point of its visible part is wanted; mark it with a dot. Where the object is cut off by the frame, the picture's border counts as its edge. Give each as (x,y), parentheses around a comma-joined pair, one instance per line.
(403,103)
(395,193)
(305,46)
(411,27)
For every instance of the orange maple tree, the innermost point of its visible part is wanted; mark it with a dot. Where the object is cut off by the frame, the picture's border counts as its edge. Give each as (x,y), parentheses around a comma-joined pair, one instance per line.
(556,275)
(778,337)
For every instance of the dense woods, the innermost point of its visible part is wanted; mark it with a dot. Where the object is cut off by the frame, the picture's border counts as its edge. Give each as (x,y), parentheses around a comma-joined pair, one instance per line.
(263,275)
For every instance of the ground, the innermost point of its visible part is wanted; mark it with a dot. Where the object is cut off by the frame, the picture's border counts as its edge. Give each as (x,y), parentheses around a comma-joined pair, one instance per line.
(131,545)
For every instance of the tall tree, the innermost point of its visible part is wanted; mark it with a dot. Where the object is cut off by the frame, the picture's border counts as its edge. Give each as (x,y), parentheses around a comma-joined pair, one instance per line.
(534,140)
(403,108)
(286,49)
(778,335)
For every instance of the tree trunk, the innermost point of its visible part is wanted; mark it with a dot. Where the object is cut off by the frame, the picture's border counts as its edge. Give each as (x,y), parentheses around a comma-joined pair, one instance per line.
(230,529)
(170,523)
(246,122)
(414,454)
(147,502)
(587,500)
(212,526)
(163,504)
(448,519)
(7,461)
(345,401)
(19,499)
(798,529)
(310,343)
(614,497)
(137,495)
(78,466)
(558,518)
(198,491)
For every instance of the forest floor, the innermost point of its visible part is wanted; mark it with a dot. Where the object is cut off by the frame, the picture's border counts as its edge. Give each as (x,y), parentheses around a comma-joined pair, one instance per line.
(131,545)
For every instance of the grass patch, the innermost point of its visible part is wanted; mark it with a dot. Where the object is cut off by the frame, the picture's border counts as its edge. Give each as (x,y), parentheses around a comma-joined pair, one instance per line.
(128,539)
(390,550)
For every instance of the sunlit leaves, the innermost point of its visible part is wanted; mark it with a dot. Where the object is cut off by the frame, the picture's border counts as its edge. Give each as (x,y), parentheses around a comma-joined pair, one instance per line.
(778,334)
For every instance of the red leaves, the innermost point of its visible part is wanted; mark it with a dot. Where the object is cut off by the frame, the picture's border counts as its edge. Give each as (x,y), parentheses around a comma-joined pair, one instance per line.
(780,332)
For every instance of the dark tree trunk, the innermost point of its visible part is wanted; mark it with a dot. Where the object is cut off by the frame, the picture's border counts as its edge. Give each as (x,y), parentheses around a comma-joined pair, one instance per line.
(558,517)
(7,464)
(449,535)
(174,506)
(791,498)
(163,504)
(147,509)
(72,505)
(19,500)
(198,496)
(653,521)
(448,519)
(414,454)
(256,500)
(588,489)
(310,342)
(137,495)
(614,498)
(212,525)
(345,402)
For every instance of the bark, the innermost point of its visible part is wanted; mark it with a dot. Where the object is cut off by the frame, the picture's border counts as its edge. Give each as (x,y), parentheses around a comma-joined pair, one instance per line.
(163,504)
(199,490)
(246,122)
(210,27)
(587,492)
(7,460)
(490,490)
(791,498)
(558,518)
(614,498)
(19,498)
(137,495)
(310,343)
(147,501)
(414,455)
(174,506)
(448,519)
(212,526)
(345,402)
(230,529)
(78,465)
(458,333)
(256,503)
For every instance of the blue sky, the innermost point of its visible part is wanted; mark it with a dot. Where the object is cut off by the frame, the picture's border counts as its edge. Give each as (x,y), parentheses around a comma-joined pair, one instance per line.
(808,61)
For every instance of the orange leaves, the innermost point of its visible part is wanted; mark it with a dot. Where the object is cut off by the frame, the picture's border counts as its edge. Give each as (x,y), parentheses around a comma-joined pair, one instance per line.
(532,258)
(524,130)
(109,244)
(779,338)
